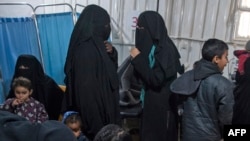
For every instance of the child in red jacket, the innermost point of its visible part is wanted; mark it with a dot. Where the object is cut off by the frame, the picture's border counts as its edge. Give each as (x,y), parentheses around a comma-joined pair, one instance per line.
(242,55)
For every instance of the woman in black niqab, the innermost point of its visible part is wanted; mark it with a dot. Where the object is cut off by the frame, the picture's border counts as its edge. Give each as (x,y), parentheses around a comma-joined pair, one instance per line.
(156,61)
(151,30)
(91,78)
(45,89)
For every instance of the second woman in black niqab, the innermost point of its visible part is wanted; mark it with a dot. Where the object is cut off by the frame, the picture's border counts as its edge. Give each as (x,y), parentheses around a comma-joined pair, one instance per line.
(156,61)
(91,77)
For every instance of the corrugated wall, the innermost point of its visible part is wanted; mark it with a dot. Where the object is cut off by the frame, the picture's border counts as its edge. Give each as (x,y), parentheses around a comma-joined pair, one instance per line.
(189,23)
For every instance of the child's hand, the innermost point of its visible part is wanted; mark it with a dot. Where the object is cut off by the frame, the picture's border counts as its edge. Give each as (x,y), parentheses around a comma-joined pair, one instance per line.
(77,133)
(108,46)
(16,102)
(180,112)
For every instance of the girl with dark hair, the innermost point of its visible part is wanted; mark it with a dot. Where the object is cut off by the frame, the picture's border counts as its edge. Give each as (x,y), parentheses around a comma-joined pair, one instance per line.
(23,104)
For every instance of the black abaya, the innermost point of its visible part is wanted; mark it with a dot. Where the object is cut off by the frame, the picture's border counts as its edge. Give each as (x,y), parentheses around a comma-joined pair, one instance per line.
(159,120)
(91,78)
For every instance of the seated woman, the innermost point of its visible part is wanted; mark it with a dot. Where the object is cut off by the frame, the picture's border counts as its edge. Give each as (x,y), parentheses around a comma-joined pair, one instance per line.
(45,89)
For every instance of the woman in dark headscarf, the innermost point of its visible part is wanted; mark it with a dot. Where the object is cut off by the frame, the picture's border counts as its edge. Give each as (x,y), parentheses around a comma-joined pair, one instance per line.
(156,62)
(241,114)
(45,88)
(90,68)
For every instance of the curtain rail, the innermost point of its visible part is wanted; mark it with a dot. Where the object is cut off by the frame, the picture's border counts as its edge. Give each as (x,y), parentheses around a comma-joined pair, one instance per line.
(35,22)
(76,5)
(179,38)
(17,3)
(57,4)
(51,5)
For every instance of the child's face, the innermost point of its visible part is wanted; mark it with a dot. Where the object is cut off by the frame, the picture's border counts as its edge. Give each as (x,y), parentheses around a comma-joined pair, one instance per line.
(221,62)
(75,127)
(22,93)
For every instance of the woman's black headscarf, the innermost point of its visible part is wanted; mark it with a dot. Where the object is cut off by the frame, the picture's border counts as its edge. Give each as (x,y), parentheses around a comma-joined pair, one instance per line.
(151,30)
(33,71)
(44,88)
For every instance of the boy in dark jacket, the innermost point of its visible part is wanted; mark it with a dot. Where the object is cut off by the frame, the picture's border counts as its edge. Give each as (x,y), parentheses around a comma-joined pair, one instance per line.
(206,95)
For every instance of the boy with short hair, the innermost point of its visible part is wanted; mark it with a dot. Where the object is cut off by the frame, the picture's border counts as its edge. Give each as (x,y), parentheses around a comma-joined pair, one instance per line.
(207,96)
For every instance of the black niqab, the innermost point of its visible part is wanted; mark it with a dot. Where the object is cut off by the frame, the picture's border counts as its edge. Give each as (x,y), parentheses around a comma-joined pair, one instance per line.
(34,72)
(151,31)
(159,111)
(93,23)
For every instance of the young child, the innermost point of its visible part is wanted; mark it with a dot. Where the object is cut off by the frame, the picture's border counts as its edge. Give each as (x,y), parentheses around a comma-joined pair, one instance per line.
(207,96)
(242,55)
(73,121)
(23,104)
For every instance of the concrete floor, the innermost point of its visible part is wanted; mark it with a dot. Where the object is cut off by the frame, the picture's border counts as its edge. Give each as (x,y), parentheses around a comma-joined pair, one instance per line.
(132,125)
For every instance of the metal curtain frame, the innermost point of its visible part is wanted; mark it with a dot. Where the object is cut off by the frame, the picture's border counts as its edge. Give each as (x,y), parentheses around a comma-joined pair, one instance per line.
(57,4)
(35,22)
(112,19)
(75,12)
(51,5)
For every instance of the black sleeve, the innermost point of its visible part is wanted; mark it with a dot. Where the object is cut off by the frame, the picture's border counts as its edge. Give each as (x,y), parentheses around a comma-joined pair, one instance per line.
(54,99)
(152,77)
(114,57)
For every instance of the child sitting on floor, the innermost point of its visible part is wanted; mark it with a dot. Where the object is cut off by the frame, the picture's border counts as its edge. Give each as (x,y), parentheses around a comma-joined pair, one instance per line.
(73,121)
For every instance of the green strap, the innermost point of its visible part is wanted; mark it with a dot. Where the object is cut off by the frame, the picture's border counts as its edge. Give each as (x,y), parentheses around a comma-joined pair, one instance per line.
(151,59)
